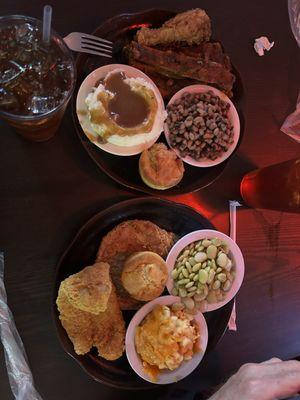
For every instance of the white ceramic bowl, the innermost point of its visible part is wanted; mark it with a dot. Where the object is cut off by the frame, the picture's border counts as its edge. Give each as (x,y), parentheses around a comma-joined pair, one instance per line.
(234,253)
(232,115)
(82,112)
(165,376)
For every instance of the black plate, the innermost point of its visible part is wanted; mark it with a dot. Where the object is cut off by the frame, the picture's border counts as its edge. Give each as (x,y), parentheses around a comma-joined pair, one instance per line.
(82,252)
(120,29)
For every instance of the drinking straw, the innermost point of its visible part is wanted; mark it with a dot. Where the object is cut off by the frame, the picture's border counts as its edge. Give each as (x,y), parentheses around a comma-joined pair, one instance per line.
(233,204)
(47,15)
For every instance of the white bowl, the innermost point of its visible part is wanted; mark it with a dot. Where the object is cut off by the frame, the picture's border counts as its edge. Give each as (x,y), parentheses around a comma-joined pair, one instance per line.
(232,115)
(165,376)
(234,253)
(82,112)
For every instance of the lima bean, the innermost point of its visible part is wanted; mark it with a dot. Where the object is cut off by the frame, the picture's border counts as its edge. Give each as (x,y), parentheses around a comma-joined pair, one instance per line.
(222,277)
(188,285)
(188,266)
(211,276)
(216,285)
(192,261)
(183,281)
(196,267)
(174,274)
(203,276)
(189,303)
(200,256)
(211,251)
(185,273)
(227,286)
(222,260)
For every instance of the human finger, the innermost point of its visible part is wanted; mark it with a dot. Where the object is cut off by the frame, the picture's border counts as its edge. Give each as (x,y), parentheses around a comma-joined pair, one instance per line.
(285,378)
(272,360)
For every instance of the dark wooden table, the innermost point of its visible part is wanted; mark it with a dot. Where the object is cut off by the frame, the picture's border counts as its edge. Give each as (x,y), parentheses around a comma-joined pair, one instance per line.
(48,190)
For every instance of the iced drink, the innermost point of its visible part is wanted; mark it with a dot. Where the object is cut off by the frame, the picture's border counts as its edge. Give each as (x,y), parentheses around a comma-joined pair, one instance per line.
(276,187)
(36,79)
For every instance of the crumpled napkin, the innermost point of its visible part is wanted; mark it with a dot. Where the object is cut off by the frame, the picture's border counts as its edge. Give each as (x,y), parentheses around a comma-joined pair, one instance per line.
(261,44)
(19,374)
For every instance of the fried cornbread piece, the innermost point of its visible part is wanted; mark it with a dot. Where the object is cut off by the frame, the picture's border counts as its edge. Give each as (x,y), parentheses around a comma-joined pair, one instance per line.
(160,168)
(125,239)
(105,330)
(144,275)
(191,27)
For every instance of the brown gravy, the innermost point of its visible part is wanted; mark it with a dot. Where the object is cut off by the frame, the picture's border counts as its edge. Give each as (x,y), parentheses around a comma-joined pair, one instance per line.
(128,109)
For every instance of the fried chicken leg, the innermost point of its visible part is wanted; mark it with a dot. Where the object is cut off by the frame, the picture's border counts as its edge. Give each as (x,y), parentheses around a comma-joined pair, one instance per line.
(191,27)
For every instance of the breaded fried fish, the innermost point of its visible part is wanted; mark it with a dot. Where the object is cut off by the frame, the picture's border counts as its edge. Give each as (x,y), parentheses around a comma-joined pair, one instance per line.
(104,330)
(125,239)
(89,289)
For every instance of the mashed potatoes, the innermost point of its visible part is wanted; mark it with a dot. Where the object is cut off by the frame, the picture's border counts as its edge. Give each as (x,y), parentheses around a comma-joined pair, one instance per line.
(165,339)
(129,96)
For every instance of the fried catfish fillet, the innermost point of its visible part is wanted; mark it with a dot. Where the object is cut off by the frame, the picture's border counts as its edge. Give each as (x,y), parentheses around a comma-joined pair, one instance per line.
(89,289)
(191,27)
(104,330)
(127,238)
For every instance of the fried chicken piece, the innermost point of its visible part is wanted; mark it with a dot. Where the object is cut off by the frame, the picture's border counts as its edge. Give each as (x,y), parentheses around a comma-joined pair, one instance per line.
(89,289)
(127,238)
(105,330)
(191,27)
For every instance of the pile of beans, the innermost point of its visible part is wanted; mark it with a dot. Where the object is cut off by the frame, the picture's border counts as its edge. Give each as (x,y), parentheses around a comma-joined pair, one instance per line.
(199,126)
(203,272)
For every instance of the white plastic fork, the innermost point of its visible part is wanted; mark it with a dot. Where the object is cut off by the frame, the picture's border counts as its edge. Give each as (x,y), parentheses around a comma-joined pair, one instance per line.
(85,43)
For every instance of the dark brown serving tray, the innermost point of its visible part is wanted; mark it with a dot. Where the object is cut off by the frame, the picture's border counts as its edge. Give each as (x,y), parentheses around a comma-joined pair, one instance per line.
(171,216)
(121,29)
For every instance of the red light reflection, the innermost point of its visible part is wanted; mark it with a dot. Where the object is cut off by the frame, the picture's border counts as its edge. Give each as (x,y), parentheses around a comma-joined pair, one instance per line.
(194,200)
(137,26)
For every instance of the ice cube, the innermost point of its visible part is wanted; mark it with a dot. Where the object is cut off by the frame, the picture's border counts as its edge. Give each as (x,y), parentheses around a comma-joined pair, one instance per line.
(41,104)
(8,100)
(10,70)
(25,33)
(23,30)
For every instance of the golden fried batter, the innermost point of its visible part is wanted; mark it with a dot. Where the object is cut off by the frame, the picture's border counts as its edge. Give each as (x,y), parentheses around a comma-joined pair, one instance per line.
(191,27)
(89,289)
(127,238)
(105,330)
